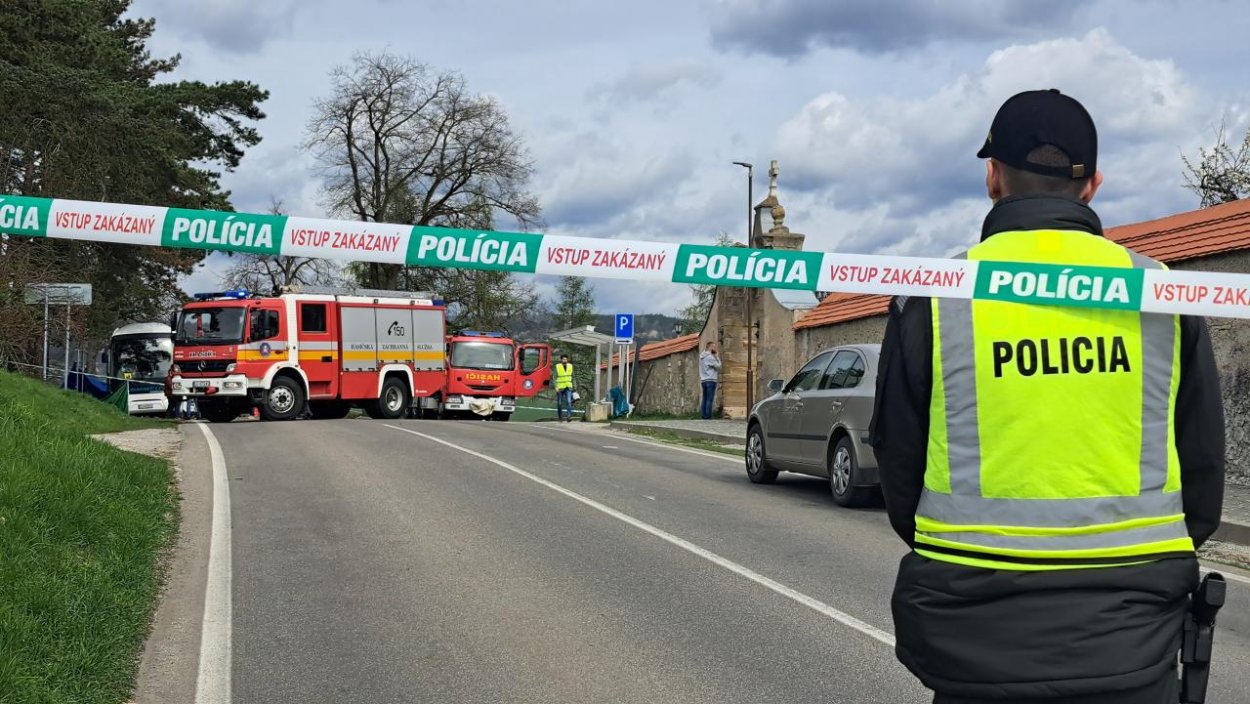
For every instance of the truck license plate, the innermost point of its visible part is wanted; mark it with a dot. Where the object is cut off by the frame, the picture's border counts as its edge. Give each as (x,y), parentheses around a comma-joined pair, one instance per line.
(199,384)
(146,406)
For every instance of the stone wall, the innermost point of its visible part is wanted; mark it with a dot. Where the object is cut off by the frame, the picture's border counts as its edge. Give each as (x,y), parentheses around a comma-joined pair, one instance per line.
(778,348)
(809,341)
(1231,339)
(668,385)
(727,327)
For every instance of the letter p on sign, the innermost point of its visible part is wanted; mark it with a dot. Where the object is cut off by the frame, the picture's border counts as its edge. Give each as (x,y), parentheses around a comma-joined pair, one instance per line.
(624,328)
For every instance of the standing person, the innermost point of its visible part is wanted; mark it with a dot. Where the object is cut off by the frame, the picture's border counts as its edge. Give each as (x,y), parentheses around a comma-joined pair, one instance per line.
(709,374)
(1052,468)
(564,389)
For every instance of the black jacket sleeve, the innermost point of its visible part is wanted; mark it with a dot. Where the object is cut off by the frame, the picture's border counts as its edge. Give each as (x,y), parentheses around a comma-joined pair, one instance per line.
(1200,431)
(899,432)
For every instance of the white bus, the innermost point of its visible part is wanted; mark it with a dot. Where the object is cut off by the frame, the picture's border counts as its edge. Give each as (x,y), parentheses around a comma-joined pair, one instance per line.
(141,354)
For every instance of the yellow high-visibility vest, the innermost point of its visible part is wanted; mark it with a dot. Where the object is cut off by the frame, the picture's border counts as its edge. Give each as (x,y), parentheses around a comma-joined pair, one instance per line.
(564,376)
(1051,442)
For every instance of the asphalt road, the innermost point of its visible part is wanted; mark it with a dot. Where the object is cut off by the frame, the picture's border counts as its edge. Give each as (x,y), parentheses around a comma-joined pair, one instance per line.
(375,565)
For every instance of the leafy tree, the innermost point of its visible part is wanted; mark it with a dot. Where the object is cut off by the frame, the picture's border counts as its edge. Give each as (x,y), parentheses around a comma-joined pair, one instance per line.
(575,303)
(694,316)
(86,115)
(400,143)
(1222,174)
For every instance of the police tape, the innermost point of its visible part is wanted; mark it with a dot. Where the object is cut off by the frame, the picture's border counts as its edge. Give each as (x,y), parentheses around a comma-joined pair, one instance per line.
(1159,291)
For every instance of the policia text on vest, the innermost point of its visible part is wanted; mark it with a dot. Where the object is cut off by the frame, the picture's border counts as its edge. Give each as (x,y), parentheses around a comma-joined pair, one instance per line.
(1077,355)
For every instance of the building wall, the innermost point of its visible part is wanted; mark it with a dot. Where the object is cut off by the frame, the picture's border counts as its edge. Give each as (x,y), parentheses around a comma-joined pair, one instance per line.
(1231,340)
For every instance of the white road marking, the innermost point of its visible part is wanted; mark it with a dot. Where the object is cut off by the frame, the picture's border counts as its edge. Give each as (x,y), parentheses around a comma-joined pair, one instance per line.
(665,446)
(213,683)
(611,447)
(814,604)
(648,497)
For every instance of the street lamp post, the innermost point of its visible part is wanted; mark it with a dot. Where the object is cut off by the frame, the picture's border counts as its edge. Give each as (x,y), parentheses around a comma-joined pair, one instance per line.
(750,329)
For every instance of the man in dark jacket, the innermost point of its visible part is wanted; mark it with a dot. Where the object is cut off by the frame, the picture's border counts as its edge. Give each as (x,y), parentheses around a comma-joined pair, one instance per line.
(1041,632)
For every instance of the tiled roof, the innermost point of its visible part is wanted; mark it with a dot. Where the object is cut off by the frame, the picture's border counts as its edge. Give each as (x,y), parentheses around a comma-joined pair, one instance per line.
(1198,233)
(844,307)
(660,349)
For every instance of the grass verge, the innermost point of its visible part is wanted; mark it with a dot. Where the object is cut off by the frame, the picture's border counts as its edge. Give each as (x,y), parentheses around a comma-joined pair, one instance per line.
(697,443)
(82,528)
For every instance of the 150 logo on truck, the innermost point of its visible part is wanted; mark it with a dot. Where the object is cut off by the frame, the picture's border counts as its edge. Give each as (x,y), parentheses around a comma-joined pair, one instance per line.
(395,330)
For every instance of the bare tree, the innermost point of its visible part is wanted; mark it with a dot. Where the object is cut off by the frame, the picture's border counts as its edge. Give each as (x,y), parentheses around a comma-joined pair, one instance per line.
(1221,175)
(398,142)
(265,272)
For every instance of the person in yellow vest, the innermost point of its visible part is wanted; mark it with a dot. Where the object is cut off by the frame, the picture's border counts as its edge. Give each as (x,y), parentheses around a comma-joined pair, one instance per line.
(564,390)
(1052,468)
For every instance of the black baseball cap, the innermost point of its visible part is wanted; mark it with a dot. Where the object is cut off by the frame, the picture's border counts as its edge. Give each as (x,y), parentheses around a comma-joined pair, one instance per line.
(1039,118)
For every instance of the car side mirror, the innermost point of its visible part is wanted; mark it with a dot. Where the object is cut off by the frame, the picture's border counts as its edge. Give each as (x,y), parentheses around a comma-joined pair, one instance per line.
(776,385)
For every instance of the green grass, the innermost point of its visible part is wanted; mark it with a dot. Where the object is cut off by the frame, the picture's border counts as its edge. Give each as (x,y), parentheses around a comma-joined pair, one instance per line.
(82,530)
(698,443)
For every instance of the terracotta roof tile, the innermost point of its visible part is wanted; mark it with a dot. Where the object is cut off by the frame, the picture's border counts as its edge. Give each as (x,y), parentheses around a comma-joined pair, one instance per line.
(844,307)
(656,350)
(1198,233)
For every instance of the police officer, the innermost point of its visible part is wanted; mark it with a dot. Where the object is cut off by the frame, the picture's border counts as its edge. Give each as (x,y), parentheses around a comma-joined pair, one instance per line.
(564,389)
(1052,468)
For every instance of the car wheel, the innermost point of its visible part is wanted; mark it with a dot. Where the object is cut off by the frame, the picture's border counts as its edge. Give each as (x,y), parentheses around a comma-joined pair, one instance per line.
(758,469)
(844,473)
(284,400)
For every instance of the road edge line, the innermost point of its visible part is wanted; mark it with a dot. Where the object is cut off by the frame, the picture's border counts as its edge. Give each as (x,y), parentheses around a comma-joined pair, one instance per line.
(766,582)
(212,684)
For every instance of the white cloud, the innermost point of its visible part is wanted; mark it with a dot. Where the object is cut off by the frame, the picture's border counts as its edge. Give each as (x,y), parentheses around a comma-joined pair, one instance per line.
(653,83)
(911,161)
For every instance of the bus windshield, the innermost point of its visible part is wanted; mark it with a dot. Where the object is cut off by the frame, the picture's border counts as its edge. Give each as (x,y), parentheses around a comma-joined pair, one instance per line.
(493,356)
(142,358)
(211,326)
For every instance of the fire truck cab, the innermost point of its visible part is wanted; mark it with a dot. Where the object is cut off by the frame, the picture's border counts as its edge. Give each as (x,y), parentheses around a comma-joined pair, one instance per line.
(487,372)
(314,352)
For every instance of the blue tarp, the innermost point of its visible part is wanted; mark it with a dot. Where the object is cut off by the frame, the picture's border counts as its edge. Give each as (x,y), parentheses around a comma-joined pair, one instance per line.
(620,407)
(91,385)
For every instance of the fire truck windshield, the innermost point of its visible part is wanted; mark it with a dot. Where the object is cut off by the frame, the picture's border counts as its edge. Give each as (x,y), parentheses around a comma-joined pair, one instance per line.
(211,326)
(494,356)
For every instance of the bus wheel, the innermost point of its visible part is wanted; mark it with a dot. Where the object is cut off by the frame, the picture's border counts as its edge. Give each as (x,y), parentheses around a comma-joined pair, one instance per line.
(283,401)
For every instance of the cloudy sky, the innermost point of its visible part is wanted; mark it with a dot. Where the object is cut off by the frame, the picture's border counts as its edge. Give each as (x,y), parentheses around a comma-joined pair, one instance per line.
(633,111)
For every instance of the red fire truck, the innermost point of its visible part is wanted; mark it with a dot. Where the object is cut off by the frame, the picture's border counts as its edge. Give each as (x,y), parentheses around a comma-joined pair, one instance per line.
(326,351)
(487,372)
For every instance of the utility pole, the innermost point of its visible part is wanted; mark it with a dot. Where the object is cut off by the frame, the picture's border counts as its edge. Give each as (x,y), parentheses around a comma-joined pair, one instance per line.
(748,291)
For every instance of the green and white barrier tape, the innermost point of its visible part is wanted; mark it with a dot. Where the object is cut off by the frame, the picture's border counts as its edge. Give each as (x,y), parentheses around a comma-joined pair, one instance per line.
(1160,291)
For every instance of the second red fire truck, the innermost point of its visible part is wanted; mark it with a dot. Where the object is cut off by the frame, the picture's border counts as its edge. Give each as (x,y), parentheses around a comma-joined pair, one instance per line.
(324,352)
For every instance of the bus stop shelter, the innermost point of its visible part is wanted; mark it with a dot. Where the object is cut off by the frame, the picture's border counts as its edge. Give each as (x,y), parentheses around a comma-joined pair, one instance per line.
(587,336)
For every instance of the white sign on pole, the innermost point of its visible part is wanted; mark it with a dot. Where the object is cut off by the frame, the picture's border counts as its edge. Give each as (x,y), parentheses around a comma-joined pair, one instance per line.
(59,294)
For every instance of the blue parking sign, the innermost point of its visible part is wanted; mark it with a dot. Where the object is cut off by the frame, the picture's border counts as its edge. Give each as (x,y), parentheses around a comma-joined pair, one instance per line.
(624,328)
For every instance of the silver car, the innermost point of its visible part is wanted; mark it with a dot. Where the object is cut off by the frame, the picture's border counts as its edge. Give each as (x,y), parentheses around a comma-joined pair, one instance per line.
(817,424)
